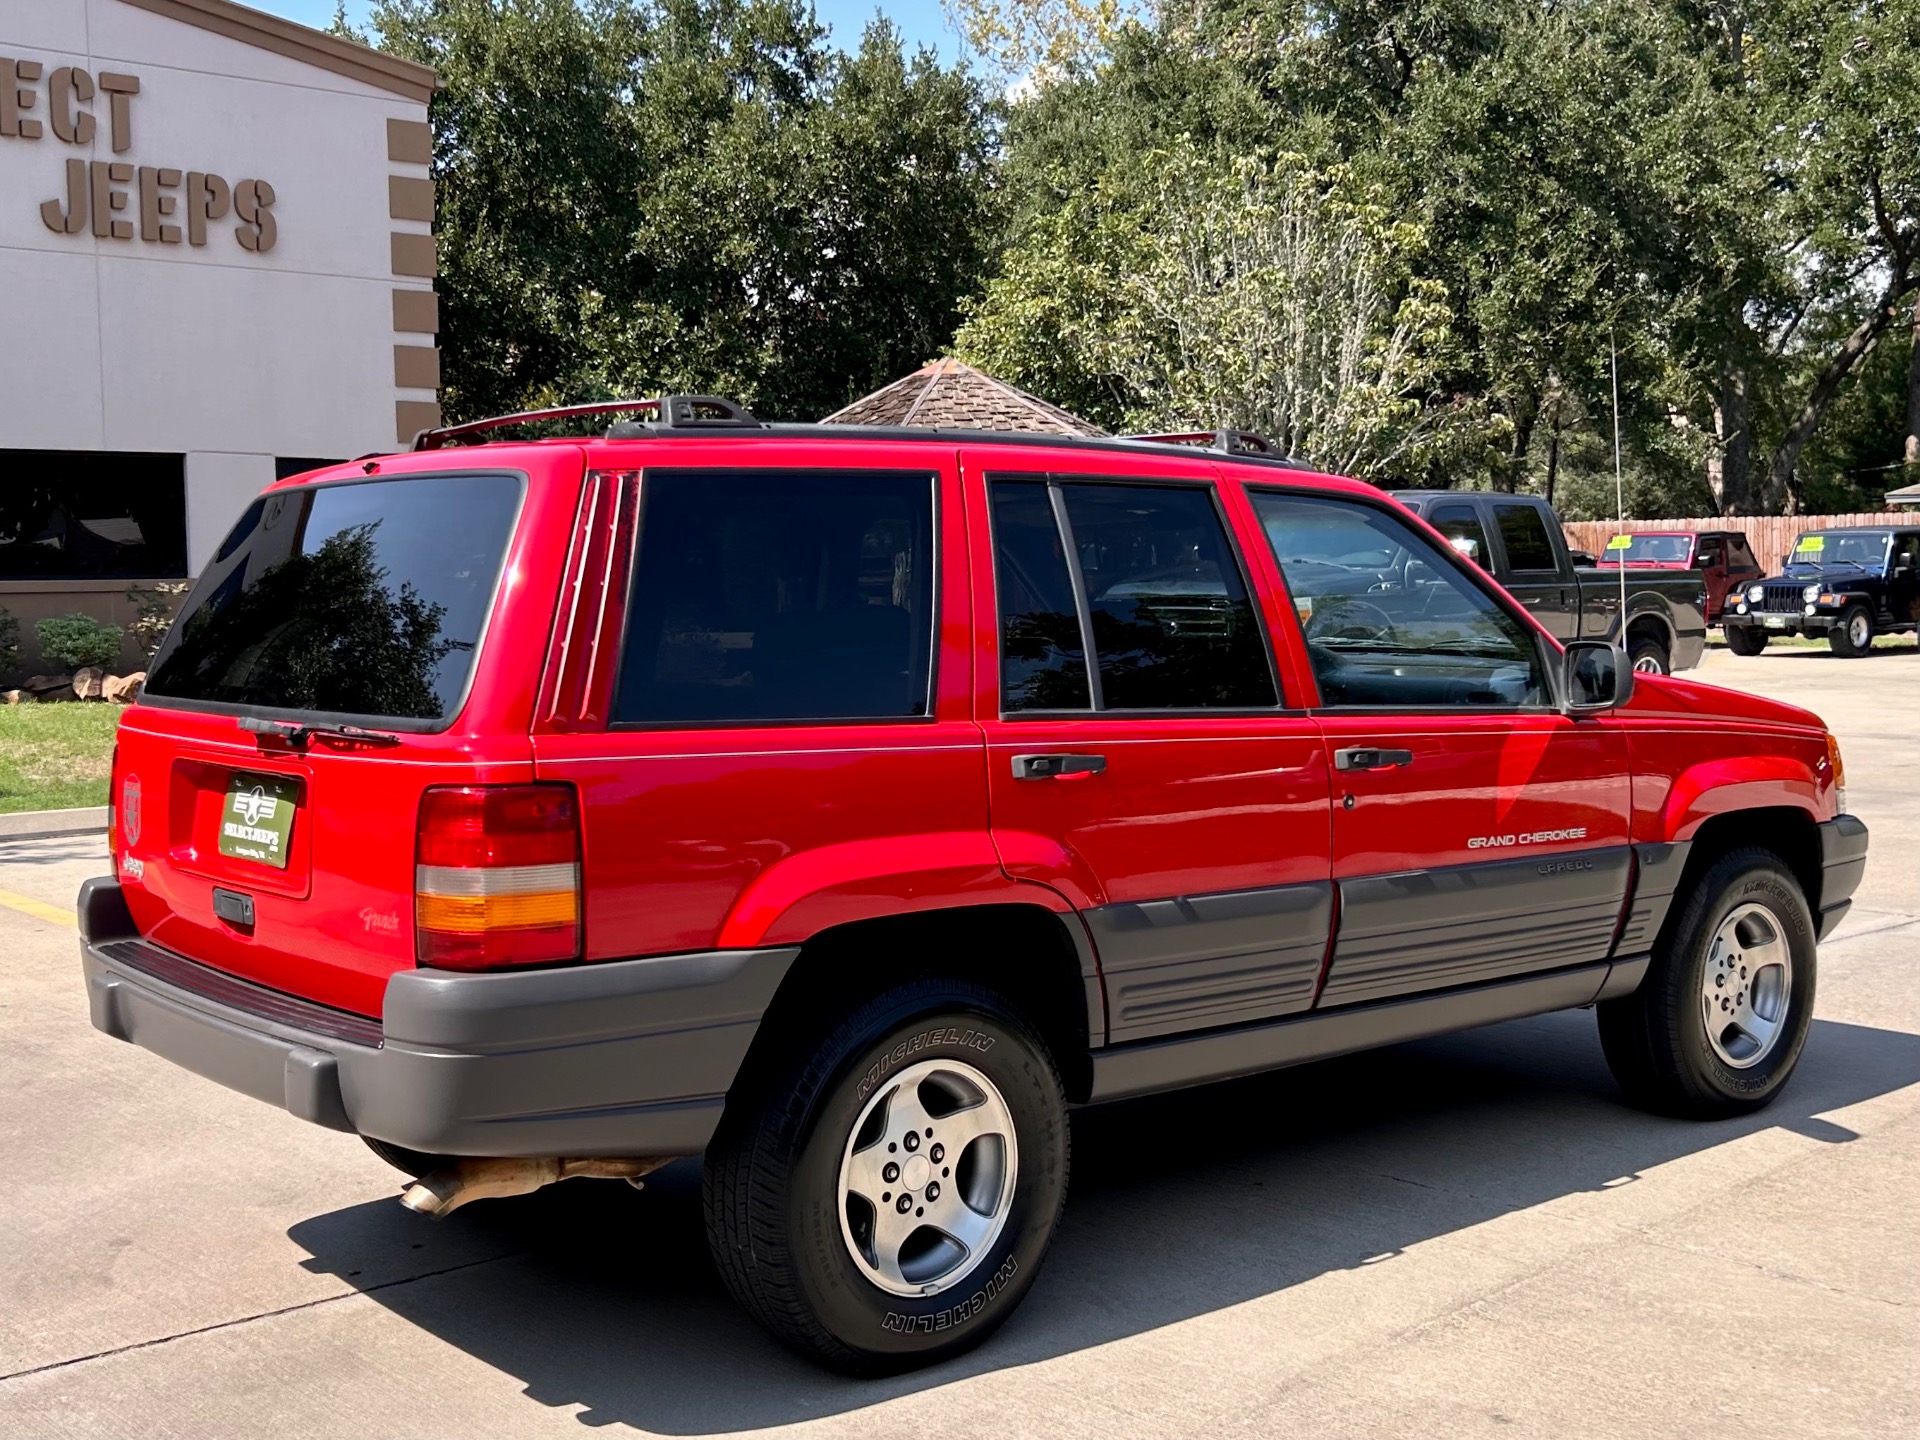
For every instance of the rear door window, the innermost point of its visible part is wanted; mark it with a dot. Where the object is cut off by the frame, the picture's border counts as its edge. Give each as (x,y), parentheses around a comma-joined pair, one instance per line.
(1524,534)
(1147,573)
(361,600)
(779,596)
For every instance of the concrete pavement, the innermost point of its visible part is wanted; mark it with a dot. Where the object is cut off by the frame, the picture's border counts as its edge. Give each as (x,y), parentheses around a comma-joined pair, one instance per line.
(1462,1237)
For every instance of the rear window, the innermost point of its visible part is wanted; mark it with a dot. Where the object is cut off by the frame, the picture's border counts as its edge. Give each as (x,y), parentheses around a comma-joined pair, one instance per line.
(362,600)
(779,596)
(1524,534)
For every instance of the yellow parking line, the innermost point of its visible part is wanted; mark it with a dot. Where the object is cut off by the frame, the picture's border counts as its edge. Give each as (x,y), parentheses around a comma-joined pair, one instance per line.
(39,909)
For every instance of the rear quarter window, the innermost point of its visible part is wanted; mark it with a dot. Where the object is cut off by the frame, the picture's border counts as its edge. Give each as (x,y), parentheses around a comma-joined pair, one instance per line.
(779,596)
(364,600)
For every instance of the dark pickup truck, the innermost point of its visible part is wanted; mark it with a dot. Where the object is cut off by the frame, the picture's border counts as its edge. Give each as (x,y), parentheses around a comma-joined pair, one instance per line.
(1518,540)
(1849,585)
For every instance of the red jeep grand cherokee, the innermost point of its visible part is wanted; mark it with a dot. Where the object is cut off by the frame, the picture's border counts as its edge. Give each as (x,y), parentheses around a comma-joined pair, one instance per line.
(844,805)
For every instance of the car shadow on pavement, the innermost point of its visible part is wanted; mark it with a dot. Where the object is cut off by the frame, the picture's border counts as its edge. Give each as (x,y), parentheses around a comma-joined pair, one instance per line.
(1180,1205)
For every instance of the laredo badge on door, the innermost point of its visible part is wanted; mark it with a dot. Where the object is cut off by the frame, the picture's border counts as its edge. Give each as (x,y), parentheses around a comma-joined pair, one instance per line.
(257,821)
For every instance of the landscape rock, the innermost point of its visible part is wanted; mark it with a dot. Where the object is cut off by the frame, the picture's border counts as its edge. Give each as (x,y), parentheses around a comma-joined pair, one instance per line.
(123,689)
(49,697)
(14,697)
(40,684)
(87,682)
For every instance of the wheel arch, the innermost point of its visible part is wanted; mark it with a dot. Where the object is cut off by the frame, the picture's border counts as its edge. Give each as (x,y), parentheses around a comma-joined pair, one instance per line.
(1787,830)
(1027,952)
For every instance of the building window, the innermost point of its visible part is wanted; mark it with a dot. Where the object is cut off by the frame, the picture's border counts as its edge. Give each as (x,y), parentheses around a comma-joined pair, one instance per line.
(285,467)
(92,515)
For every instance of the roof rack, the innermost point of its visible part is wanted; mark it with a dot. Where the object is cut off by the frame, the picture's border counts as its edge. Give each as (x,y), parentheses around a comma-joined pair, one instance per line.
(1227,442)
(671,412)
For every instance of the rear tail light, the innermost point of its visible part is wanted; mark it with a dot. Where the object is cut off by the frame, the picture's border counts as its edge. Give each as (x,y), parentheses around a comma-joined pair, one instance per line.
(497,878)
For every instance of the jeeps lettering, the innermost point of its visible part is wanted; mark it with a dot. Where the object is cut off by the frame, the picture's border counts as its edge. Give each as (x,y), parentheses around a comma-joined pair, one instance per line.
(959,1314)
(1526,837)
(913,1045)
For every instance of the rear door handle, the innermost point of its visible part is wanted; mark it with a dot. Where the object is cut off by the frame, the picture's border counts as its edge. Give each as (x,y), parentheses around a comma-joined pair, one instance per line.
(1046,767)
(1361,758)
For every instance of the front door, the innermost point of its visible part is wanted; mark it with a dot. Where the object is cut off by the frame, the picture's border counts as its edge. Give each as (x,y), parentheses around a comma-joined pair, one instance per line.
(1478,834)
(1140,758)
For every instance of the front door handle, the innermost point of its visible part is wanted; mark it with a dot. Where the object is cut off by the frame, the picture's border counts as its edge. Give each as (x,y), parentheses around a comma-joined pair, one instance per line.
(1046,767)
(1364,758)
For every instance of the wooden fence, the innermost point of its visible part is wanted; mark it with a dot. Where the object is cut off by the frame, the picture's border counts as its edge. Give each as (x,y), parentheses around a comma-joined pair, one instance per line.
(1771,536)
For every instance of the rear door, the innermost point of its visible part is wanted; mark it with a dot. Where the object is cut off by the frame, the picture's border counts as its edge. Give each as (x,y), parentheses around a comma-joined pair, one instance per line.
(1537,572)
(286,856)
(1143,758)
(761,694)
(1478,834)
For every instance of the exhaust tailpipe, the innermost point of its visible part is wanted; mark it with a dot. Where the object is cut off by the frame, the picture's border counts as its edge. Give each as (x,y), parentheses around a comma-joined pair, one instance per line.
(445,1191)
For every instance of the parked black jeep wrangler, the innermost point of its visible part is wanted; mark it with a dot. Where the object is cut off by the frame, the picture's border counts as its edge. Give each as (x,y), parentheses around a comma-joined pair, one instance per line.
(1849,585)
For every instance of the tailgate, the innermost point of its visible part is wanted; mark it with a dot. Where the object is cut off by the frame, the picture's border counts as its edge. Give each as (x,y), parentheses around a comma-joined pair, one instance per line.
(339,655)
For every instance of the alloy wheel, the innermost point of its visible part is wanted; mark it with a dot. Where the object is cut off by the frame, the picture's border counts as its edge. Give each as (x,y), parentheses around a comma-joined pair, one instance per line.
(1746,986)
(927,1178)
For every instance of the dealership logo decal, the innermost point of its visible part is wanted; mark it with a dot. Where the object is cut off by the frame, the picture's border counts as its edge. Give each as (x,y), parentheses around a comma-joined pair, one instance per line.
(130,808)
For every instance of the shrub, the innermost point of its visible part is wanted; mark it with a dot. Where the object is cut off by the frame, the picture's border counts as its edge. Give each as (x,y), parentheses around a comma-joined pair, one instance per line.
(9,642)
(78,640)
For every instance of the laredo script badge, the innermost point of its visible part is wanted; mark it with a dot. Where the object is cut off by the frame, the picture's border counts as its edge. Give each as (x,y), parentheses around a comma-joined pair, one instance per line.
(257,821)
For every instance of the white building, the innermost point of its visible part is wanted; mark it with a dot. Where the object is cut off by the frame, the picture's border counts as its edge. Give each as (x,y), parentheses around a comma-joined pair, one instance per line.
(216,266)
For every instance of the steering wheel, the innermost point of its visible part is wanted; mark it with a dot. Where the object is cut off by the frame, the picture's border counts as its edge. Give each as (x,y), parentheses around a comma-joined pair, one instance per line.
(1348,618)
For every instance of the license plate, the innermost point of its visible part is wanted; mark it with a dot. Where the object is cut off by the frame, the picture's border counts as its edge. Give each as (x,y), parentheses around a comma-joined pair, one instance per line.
(256,822)
(1776,622)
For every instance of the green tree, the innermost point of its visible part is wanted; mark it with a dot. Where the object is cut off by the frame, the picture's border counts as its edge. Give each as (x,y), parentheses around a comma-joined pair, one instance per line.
(1191,290)
(692,195)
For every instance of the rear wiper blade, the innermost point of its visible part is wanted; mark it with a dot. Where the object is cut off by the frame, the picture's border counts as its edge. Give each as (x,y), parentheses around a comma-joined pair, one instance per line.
(298,733)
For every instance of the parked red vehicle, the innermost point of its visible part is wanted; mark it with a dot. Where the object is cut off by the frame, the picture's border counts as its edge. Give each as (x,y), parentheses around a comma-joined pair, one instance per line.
(845,805)
(1723,558)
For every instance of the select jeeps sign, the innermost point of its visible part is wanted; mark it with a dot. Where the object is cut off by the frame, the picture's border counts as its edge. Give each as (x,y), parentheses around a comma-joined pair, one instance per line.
(161,204)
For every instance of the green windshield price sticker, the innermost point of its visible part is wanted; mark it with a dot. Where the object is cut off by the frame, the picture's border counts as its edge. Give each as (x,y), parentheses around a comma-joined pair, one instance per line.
(1811,542)
(1620,542)
(257,821)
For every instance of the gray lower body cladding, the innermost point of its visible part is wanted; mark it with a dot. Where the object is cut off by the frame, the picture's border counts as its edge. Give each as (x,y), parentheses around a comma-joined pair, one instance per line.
(1471,924)
(630,1057)
(1200,961)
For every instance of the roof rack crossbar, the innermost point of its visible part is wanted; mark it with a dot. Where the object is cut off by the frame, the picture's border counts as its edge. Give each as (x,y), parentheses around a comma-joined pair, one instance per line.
(672,412)
(1227,442)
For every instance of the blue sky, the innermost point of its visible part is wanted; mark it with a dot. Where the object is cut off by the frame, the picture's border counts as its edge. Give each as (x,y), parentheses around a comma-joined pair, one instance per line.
(921,21)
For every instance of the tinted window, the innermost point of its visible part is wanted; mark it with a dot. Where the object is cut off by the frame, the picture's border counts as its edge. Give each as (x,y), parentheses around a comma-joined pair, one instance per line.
(359,600)
(1462,529)
(779,595)
(1740,554)
(1043,665)
(81,515)
(1172,625)
(1388,620)
(1524,534)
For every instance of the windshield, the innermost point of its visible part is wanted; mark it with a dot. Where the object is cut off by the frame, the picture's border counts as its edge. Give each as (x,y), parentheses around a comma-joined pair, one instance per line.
(1865,548)
(362,600)
(1648,550)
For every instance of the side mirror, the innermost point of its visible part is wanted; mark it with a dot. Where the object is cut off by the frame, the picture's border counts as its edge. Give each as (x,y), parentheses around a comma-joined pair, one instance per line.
(1594,676)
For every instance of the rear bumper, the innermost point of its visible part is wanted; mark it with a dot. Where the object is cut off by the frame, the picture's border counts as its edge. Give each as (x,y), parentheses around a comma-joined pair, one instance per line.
(627,1057)
(1843,861)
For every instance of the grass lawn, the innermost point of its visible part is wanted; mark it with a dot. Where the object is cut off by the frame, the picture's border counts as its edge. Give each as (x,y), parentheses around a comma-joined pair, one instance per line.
(55,757)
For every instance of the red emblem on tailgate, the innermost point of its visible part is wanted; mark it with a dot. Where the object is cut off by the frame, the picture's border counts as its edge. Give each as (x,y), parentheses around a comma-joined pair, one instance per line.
(130,808)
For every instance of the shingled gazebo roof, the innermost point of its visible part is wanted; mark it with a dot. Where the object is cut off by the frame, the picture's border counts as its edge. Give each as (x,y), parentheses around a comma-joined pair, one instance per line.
(950,395)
